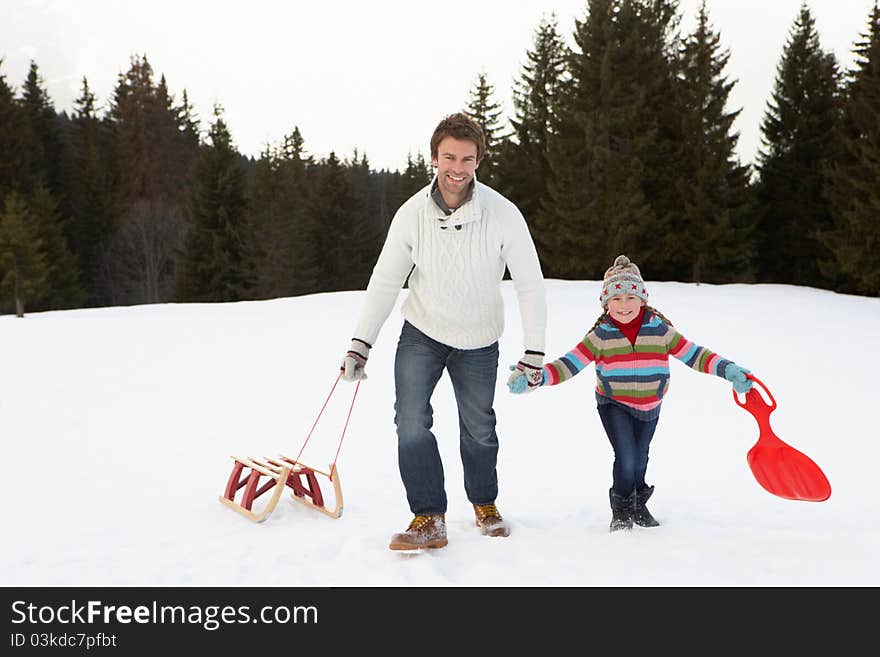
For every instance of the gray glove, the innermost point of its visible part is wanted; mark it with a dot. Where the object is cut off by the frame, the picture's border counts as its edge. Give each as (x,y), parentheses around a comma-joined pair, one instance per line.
(355,361)
(528,373)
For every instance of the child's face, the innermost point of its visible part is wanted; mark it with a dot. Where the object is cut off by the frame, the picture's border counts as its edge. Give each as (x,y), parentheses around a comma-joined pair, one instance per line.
(624,307)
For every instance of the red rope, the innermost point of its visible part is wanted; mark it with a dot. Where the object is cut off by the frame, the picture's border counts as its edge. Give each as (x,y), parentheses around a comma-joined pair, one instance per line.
(347,418)
(344,428)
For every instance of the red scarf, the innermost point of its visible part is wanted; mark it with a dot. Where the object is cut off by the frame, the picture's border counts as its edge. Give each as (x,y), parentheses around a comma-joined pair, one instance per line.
(630,329)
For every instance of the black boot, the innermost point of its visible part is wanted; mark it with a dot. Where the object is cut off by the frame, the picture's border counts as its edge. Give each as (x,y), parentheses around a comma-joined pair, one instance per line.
(642,516)
(622,509)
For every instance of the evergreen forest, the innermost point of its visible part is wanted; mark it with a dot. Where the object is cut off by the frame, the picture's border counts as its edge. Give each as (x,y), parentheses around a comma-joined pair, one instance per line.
(624,142)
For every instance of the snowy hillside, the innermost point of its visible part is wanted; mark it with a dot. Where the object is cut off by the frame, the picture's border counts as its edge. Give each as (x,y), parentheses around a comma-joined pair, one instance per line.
(118,424)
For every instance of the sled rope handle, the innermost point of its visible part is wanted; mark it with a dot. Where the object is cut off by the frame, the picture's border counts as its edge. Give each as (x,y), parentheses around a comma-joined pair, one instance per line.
(348,417)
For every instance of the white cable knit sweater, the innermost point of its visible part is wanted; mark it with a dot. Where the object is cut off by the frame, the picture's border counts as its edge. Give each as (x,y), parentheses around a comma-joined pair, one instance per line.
(454,293)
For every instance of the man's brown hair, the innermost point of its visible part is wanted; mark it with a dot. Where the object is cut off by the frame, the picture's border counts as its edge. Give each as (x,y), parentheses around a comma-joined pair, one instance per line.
(459,126)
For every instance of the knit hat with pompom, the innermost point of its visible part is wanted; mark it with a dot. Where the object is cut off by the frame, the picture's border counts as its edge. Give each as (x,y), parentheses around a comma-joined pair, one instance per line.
(623,277)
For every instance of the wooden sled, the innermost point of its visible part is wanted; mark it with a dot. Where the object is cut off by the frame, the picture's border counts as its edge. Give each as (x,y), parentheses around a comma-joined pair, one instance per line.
(282,472)
(279,473)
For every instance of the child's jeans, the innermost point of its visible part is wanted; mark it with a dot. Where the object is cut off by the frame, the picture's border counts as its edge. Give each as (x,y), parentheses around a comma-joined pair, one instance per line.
(418,366)
(630,439)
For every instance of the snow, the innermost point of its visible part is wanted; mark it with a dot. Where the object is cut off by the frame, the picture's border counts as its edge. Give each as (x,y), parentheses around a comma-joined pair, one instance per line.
(118,424)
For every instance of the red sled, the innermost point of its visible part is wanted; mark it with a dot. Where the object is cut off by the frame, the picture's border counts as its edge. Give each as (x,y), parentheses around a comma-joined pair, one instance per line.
(317,489)
(272,475)
(777,466)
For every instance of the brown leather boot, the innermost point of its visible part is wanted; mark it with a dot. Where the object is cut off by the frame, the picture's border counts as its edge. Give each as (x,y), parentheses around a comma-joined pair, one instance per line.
(423,532)
(490,521)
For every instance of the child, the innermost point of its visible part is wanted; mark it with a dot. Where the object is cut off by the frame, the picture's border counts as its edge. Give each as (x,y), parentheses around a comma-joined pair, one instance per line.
(630,344)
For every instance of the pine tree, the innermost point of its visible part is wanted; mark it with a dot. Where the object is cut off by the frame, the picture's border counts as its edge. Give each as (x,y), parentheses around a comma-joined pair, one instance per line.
(655,44)
(152,154)
(487,113)
(332,206)
(48,191)
(90,192)
(24,271)
(143,120)
(523,170)
(188,124)
(300,227)
(41,138)
(62,280)
(416,175)
(285,235)
(265,215)
(12,166)
(218,258)
(715,240)
(177,133)
(603,130)
(798,131)
(853,179)
(367,221)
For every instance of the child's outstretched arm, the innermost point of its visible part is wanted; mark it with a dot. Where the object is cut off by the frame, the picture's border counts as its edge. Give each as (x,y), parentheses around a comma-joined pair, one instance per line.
(563,368)
(572,363)
(706,361)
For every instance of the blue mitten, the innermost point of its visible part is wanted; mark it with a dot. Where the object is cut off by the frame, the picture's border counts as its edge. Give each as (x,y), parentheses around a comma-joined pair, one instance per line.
(737,376)
(517,383)
(528,373)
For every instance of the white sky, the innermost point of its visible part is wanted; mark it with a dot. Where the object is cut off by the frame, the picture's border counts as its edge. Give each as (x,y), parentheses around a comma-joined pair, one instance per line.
(376,76)
(118,425)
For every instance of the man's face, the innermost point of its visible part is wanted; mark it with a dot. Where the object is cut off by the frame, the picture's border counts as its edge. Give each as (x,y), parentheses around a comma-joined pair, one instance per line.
(456,162)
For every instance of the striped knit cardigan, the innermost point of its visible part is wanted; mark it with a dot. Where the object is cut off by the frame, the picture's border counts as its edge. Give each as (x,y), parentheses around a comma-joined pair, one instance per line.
(636,377)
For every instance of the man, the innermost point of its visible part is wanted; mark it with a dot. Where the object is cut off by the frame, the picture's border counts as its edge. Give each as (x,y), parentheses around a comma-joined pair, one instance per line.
(453,240)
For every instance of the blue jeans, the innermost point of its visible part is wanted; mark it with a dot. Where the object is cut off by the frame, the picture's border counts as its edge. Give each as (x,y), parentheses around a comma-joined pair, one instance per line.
(418,365)
(631,439)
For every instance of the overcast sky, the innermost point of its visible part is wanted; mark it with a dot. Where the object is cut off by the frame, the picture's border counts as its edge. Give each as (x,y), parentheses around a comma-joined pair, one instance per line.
(376,76)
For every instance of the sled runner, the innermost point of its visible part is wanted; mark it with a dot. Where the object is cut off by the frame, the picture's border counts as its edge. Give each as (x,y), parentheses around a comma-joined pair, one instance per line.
(777,466)
(315,488)
(277,474)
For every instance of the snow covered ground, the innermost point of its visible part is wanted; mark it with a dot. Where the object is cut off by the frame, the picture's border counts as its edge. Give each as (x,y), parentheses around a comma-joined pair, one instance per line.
(118,424)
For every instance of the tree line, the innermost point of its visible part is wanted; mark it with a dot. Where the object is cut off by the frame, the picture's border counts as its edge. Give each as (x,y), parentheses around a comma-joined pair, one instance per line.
(621,143)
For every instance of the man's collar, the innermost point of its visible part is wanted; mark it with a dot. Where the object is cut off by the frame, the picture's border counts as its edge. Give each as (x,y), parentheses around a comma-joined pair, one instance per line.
(438,197)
